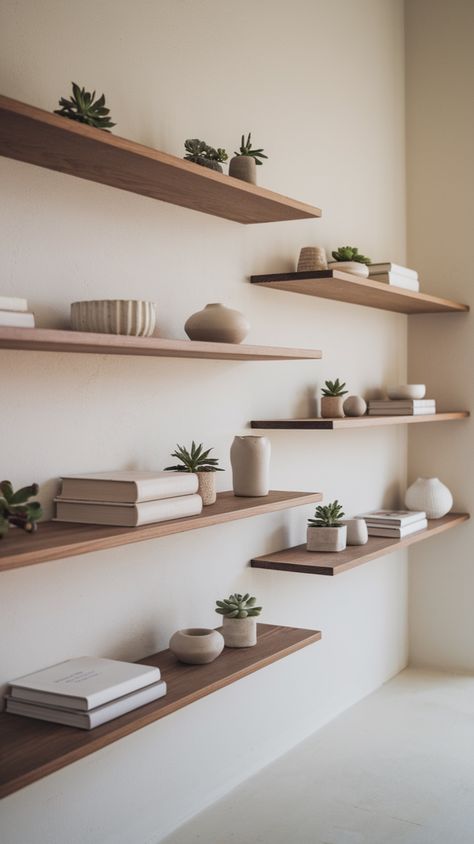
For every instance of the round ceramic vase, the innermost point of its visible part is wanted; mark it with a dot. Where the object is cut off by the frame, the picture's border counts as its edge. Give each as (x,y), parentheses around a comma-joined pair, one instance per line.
(207,487)
(326,538)
(250,460)
(133,317)
(239,632)
(332,407)
(217,324)
(312,258)
(357,533)
(353,267)
(430,495)
(243,167)
(355,406)
(197,645)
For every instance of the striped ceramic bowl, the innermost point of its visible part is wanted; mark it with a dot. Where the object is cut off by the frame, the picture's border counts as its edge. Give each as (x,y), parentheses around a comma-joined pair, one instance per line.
(114,316)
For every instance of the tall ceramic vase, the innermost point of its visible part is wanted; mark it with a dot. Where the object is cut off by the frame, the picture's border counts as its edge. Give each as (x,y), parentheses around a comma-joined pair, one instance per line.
(250,459)
(430,495)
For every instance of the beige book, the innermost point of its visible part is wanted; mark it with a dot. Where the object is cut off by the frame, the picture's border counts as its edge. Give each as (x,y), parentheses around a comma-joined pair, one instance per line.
(128,515)
(127,487)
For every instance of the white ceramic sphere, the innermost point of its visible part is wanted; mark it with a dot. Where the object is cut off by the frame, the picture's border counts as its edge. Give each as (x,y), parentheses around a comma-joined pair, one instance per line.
(407,391)
(197,645)
(430,495)
(355,406)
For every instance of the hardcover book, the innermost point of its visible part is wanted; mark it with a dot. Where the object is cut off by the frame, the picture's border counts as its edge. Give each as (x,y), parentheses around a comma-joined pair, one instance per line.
(17,319)
(128,487)
(12,303)
(396,532)
(128,515)
(395,518)
(389,267)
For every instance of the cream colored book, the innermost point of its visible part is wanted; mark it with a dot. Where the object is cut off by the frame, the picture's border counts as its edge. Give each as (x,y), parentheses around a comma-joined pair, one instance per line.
(127,487)
(128,515)
(17,319)
(12,303)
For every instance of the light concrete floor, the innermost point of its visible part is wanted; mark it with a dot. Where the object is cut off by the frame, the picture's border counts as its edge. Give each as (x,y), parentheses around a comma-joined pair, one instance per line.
(397,768)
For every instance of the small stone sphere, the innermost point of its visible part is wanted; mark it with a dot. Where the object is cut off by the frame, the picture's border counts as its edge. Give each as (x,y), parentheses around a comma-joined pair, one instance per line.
(355,406)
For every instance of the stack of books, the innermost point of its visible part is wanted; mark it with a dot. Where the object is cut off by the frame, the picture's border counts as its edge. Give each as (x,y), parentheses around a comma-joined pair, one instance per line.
(402,407)
(395,274)
(85,692)
(14,312)
(394,523)
(128,499)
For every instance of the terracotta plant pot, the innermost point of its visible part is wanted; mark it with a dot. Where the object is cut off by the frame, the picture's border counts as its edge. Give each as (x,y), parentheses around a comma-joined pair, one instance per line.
(332,407)
(357,533)
(239,632)
(243,167)
(354,267)
(197,645)
(326,538)
(207,487)
(217,324)
(250,459)
(355,406)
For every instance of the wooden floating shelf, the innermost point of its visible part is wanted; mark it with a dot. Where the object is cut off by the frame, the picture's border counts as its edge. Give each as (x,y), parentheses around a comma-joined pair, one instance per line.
(298,559)
(57,540)
(319,424)
(35,136)
(33,749)
(344,287)
(84,342)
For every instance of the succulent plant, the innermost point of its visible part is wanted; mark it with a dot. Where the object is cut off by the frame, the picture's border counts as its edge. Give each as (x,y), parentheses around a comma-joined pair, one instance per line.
(328,516)
(195,460)
(85,108)
(238,606)
(350,253)
(201,153)
(246,149)
(15,509)
(334,388)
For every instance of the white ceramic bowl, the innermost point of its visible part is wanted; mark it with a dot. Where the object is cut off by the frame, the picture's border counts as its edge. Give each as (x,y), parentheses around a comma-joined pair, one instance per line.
(134,317)
(407,391)
(353,267)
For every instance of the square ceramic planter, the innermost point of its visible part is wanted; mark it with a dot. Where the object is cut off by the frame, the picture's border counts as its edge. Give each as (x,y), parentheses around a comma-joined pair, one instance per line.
(332,407)
(239,632)
(326,538)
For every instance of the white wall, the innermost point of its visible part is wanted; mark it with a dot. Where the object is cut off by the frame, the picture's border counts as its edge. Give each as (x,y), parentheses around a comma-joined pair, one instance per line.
(440,132)
(321,86)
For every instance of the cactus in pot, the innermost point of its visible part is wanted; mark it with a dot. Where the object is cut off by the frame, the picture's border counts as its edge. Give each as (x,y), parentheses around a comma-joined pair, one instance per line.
(239,626)
(332,402)
(197,461)
(326,531)
(350,260)
(246,160)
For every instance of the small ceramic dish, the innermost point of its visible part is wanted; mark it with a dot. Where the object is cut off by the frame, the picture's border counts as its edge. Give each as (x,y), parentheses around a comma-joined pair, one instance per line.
(407,391)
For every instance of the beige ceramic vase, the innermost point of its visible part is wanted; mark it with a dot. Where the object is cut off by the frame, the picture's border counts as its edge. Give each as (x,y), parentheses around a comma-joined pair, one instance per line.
(217,324)
(197,645)
(207,487)
(312,259)
(243,167)
(250,459)
(239,632)
(332,407)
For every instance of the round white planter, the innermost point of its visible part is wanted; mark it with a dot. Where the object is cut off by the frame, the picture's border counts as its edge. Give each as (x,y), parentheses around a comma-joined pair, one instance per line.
(326,538)
(407,391)
(239,632)
(430,495)
(357,533)
(197,645)
(354,267)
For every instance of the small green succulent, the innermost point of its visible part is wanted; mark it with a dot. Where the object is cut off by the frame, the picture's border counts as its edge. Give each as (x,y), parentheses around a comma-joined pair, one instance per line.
(194,460)
(15,509)
(334,388)
(201,153)
(329,516)
(83,107)
(350,253)
(238,606)
(246,149)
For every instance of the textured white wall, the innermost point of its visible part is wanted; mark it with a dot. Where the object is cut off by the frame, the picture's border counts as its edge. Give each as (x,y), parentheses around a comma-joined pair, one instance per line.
(321,86)
(440,132)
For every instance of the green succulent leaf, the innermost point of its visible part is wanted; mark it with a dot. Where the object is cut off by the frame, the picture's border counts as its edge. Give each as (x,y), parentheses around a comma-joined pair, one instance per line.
(194,460)
(334,388)
(16,510)
(350,253)
(85,109)
(246,149)
(327,516)
(238,606)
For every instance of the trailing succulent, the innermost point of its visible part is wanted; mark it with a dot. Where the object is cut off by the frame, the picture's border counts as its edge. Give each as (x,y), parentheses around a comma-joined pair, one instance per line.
(85,108)
(238,606)
(329,516)
(195,460)
(350,253)
(334,388)
(246,149)
(201,153)
(16,510)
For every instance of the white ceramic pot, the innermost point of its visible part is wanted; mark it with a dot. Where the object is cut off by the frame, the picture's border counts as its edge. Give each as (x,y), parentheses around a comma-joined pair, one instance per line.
(357,532)
(332,407)
(114,316)
(239,632)
(243,167)
(250,460)
(355,406)
(354,267)
(407,391)
(207,487)
(217,324)
(312,259)
(430,495)
(197,645)
(326,538)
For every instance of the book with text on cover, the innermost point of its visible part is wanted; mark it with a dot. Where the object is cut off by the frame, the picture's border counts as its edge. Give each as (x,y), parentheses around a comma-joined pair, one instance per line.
(128,487)
(128,515)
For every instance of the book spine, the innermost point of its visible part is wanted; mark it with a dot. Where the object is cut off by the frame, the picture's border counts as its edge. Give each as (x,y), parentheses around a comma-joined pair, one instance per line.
(11,303)
(397,269)
(17,319)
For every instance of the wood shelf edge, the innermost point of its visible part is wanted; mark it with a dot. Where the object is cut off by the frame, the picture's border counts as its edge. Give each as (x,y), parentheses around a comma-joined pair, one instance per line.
(348,422)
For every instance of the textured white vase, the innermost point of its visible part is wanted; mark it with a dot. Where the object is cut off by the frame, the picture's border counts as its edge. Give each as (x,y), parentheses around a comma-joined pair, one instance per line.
(430,495)
(217,324)
(133,317)
(197,645)
(239,632)
(250,459)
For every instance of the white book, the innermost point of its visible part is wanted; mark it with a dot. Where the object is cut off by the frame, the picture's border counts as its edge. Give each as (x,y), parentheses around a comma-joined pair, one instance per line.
(396,280)
(11,303)
(83,683)
(17,319)
(128,487)
(397,533)
(92,718)
(128,515)
(395,518)
(402,402)
(389,267)
(408,411)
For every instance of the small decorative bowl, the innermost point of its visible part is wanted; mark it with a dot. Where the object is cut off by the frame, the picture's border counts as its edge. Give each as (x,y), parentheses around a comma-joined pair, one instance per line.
(407,391)
(134,317)
(197,645)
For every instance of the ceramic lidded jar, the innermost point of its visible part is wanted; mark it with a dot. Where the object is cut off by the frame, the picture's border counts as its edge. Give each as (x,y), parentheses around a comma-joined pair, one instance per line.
(430,495)
(250,459)
(217,324)
(197,645)
(243,167)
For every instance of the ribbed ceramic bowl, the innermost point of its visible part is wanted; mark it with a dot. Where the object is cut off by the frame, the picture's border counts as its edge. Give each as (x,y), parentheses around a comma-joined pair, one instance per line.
(407,391)
(134,317)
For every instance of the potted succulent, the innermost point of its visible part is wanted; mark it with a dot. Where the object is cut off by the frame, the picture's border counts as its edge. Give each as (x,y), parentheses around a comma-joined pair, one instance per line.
(244,164)
(239,625)
(348,259)
(201,153)
(332,402)
(326,532)
(197,461)
(16,510)
(84,108)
